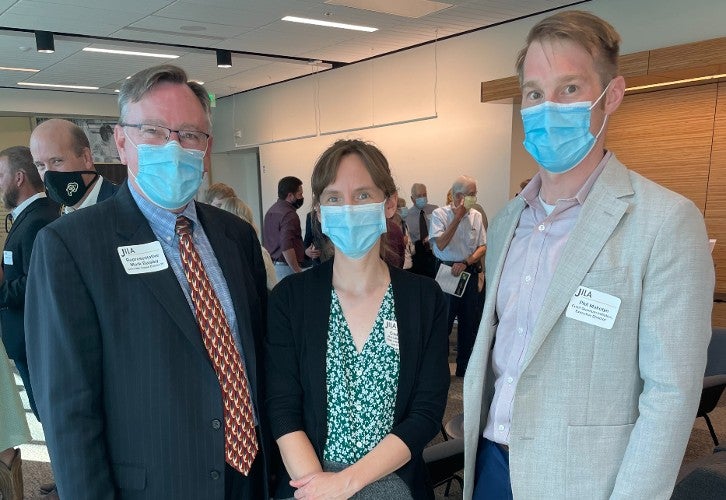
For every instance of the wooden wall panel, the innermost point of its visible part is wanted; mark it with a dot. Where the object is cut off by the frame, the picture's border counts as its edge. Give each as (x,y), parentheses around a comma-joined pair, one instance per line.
(718,317)
(666,136)
(716,203)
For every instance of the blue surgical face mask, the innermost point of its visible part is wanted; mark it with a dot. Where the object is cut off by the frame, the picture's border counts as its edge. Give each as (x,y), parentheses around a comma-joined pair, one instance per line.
(169,175)
(421,202)
(403,212)
(353,229)
(558,135)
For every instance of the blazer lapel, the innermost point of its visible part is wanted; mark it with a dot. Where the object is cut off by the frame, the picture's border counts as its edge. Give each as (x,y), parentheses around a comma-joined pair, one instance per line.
(230,258)
(132,228)
(600,215)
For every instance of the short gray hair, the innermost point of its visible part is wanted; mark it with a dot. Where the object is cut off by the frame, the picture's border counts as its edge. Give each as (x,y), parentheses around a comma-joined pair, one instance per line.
(415,187)
(136,87)
(459,185)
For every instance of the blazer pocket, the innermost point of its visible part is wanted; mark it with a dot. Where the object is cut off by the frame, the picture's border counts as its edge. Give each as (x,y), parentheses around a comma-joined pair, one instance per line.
(605,277)
(129,477)
(594,456)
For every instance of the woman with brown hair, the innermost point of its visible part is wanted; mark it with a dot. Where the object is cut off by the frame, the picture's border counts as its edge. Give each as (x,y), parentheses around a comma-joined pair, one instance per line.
(356,354)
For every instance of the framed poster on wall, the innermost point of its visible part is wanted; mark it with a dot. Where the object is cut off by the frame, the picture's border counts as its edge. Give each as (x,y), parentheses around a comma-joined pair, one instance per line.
(100,135)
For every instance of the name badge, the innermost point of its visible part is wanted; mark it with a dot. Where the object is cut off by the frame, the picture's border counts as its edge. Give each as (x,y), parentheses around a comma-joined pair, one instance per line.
(8,257)
(140,259)
(390,332)
(593,307)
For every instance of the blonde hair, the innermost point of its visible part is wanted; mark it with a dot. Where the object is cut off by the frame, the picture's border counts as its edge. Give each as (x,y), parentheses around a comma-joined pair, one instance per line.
(587,30)
(240,209)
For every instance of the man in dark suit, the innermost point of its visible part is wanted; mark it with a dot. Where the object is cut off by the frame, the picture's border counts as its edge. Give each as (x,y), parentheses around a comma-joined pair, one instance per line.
(22,193)
(62,153)
(146,354)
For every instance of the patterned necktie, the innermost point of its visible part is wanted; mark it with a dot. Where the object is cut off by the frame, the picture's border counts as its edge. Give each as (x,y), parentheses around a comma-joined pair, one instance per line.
(423,227)
(240,444)
(8,222)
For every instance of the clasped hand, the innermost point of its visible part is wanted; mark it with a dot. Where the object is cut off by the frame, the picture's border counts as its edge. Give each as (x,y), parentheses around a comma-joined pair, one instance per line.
(323,486)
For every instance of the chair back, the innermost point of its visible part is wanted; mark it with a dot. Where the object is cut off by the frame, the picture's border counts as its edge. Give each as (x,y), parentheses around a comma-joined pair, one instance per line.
(716,364)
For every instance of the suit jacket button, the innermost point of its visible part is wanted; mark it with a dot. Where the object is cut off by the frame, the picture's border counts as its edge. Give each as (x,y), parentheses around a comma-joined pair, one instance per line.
(216,424)
(214,475)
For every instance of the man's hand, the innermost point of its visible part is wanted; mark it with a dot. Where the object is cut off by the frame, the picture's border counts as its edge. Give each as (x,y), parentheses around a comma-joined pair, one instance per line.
(460,210)
(312,252)
(457,268)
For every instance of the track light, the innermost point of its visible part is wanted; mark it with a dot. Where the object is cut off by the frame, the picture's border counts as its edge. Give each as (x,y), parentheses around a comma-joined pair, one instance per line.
(44,42)
(224,58)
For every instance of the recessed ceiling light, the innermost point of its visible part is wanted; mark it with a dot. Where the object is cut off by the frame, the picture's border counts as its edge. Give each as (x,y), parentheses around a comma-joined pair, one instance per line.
(29,70)
(117,90)
(56,86)
(130,53)
(328,24)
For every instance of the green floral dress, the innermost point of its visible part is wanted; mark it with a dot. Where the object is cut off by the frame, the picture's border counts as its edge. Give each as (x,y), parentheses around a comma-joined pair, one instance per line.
(361,387)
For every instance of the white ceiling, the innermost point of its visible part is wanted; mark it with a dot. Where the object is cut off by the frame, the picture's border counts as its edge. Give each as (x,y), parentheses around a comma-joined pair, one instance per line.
(237,25)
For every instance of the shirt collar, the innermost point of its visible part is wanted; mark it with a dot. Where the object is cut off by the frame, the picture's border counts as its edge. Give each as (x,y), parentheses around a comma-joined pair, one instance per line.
(161,220)
(530,192)
(18,210)
(89,200)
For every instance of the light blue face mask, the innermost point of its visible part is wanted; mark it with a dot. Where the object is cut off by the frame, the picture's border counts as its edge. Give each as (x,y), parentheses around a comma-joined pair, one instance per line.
(558,135)
(403,212)
(169,175)
(421,202)
(353,229)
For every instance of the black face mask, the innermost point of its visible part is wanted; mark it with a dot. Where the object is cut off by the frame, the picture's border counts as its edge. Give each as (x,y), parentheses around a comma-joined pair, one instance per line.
(298,202)
(67,188)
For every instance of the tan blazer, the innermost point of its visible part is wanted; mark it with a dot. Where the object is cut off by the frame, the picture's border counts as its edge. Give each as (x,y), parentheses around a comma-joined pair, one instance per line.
(604,413)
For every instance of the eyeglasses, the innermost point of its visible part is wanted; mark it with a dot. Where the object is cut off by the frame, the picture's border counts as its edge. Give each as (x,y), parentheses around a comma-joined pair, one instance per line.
(158,135)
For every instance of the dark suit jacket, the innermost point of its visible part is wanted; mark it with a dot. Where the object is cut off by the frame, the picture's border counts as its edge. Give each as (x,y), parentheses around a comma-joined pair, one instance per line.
(295,363)
(12,290)
(107,190)
(130,403)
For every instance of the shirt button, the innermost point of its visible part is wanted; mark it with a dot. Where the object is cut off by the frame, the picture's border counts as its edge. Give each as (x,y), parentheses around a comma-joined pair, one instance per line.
(214,475)
(528,278)
(520,330)
(501,427)
(216,424)
(510,380)
(541,227)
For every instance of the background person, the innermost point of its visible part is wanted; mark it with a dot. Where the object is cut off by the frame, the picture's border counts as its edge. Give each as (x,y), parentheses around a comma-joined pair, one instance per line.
(62,149)
(242,210)
(418,220)
(364,432)
(282,235)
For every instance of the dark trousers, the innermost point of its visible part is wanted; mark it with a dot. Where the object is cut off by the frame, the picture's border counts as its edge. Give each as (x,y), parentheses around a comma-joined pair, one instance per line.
(423,261)
(491,479)
(464,308)
(239,487)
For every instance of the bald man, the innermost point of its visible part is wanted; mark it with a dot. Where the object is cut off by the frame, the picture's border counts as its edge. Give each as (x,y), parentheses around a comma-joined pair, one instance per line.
(62,154)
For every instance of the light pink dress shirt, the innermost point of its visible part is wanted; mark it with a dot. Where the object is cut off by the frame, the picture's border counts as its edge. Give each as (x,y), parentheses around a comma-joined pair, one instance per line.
(530,264)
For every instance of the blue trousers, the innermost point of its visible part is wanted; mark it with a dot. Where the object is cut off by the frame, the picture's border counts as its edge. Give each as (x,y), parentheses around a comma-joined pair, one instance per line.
(491,479)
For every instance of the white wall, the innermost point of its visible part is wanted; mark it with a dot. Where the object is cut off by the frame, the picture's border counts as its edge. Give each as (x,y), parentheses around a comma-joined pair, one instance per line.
(465,136)
(48,102)
(239,169)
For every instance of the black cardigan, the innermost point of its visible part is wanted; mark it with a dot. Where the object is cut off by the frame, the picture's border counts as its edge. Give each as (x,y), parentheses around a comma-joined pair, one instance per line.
(296,399)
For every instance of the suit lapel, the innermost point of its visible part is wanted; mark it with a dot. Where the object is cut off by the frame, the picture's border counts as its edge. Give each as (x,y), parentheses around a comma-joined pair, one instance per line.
(600,215)
(230,258)
(21,217)
(132,228)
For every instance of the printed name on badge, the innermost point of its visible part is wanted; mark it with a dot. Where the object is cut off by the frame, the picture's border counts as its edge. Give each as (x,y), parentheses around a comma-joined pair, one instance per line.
(593,307)
(146,258)
(8,257)
(390,332)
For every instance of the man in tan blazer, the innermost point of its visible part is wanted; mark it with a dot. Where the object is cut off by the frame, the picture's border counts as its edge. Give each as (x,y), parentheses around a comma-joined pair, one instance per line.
(587,368)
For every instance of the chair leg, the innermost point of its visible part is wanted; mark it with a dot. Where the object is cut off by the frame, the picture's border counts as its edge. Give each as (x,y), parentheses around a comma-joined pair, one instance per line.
(710,429)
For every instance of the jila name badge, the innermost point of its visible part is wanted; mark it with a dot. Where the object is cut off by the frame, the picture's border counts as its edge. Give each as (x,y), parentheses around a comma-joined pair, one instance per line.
(593,307)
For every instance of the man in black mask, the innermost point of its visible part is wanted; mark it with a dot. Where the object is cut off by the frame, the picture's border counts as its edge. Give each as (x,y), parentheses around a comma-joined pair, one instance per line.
(62,154)
(282,234)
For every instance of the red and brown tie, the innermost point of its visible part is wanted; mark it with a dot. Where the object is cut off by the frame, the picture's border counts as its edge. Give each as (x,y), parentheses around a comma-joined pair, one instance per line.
(240,444)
